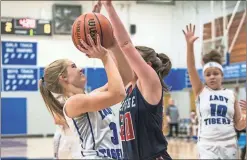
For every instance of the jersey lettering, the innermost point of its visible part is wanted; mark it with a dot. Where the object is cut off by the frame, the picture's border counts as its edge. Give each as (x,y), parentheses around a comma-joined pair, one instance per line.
(126,127)
(129,102)
(105,112)
(210,121)
(218,113)
(218,110)
(112,153)
(113,127)
(218,98)
(122,127)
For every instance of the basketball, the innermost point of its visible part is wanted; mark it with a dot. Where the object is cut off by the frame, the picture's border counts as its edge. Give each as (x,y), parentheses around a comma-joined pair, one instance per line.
(93,24)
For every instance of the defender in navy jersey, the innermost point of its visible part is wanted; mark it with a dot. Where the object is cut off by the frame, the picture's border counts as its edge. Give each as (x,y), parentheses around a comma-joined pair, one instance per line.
(141,112)
(140,125)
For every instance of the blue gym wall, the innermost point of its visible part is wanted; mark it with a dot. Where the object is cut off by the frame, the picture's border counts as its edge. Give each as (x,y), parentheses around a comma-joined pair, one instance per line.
(22,103)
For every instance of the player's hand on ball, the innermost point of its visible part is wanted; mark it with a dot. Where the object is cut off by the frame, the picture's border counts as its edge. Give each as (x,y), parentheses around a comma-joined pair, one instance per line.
(95,50)
(190,34)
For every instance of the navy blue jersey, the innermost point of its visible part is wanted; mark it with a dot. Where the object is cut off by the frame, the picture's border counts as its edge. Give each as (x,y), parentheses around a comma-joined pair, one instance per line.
(141,127)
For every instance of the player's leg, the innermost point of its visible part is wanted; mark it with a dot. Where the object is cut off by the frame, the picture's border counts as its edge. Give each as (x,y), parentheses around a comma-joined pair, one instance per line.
(172,126)
(176,129)
(243,153)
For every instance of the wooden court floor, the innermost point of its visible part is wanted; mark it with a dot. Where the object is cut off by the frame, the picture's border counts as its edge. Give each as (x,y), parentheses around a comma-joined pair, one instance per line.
(43,148)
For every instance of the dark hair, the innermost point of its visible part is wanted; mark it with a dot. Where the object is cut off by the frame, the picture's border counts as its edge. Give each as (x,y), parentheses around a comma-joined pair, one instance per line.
(212,56)
(160,62)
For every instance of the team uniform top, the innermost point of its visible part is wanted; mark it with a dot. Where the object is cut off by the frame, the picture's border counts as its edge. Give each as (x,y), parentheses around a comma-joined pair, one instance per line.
(215,110)
(141,127)
(97,134)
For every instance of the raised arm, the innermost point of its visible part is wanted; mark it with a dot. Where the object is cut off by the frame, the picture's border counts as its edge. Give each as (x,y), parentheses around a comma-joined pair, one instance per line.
(119,58)
(122,63)
(82,103)
(193,74)
(145,73)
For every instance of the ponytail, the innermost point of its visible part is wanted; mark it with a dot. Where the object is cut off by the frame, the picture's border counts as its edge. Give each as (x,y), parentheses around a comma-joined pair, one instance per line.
(160,63)
(52,104)
(164,69)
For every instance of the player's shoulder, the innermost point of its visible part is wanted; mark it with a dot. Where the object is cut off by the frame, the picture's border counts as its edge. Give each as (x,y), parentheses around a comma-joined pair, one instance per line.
(229,92)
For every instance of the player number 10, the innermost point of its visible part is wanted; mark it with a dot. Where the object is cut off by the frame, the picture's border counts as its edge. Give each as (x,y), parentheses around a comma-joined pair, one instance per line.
(218,110)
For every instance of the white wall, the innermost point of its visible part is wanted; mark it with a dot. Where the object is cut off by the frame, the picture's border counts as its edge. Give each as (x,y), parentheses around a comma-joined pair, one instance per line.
(158,26)
(39,120)
(182,101)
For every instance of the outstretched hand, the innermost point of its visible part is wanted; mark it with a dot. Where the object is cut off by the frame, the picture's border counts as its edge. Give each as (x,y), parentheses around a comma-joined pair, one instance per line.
(190,34)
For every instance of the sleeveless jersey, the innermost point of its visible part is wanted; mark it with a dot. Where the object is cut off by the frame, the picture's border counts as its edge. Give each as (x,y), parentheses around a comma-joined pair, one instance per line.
(141,127)
(97,134)
(215,110)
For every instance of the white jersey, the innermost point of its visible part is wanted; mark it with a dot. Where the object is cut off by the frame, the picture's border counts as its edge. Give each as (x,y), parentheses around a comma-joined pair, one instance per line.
(97,134)
(215,110)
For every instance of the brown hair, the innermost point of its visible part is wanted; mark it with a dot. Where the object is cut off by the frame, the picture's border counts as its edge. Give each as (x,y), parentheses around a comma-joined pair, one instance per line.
(212,56)
(160,62)
(49,84)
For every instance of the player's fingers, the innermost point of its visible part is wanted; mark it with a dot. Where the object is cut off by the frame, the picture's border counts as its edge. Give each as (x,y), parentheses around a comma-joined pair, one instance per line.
(85,45)
(91,41)
(81,49)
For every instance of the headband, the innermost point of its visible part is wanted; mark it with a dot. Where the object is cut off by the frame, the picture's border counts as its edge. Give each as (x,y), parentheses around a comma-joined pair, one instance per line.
(212,64)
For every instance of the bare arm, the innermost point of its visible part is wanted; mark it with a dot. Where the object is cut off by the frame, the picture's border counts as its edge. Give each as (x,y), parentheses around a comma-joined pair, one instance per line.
(239,116)
(119,58)
(124,68)
(147,77)
(196,83)
(81,103)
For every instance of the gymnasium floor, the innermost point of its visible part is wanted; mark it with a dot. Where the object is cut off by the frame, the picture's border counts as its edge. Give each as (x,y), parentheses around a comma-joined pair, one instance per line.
(42,148)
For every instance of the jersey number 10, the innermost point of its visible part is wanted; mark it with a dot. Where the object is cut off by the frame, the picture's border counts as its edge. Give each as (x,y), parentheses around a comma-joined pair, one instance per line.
(218,110)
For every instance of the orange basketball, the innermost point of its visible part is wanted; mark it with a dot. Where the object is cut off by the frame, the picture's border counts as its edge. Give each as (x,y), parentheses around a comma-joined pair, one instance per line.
(93,24)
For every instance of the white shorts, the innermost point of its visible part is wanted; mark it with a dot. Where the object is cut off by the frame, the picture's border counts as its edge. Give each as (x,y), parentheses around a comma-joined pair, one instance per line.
(218,149)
